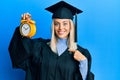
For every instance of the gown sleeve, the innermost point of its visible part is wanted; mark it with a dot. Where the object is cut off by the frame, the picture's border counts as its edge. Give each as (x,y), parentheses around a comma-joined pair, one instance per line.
(85,52)
(20,49)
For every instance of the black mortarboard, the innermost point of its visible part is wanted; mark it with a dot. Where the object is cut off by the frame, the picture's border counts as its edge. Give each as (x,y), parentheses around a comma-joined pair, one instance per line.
(63,10)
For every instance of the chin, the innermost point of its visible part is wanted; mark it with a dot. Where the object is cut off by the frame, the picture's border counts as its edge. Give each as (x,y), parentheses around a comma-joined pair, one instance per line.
(63,37)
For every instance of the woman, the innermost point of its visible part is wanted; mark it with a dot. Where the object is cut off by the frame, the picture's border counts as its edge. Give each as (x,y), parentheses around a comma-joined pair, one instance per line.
(57,59)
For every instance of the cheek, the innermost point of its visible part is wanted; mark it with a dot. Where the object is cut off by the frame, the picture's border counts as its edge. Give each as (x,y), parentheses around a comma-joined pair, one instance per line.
(68,29)
(55,30)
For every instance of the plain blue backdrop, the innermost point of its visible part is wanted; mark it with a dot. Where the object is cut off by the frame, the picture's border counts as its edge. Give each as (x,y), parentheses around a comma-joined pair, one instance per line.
(98,31)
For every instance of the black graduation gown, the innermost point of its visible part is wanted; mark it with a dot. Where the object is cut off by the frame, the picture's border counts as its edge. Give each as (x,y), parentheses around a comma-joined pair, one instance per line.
(40,63)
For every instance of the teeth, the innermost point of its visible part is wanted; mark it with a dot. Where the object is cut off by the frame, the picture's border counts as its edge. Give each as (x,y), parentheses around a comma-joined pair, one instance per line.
(61,32)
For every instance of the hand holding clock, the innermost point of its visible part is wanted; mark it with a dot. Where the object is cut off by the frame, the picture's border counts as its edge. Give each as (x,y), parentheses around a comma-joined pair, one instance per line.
(27,26)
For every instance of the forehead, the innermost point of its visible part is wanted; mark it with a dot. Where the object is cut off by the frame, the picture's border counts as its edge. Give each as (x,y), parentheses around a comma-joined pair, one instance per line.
(61,20)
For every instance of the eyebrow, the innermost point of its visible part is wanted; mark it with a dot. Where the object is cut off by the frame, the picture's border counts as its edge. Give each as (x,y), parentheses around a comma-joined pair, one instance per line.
(65,21)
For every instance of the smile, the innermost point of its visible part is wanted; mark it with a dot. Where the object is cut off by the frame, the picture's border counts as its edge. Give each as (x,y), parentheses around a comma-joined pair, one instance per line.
(61,32)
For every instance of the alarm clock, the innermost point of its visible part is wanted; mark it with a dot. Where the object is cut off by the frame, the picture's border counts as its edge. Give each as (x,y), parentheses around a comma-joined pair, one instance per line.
(27,28)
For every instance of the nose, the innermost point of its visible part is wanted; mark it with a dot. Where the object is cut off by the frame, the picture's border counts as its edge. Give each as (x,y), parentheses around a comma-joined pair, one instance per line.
(61,26)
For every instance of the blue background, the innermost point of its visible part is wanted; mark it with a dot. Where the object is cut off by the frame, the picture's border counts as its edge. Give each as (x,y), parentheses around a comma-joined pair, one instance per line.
(98,31)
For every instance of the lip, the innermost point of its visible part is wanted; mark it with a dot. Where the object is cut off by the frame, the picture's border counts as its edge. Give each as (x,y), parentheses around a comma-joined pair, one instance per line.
(61,32)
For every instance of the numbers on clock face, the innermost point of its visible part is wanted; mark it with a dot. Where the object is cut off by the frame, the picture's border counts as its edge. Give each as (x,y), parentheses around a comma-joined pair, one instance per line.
(25,29)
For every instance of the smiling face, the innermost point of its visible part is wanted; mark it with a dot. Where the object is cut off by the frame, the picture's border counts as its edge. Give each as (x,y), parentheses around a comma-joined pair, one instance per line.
(62,27)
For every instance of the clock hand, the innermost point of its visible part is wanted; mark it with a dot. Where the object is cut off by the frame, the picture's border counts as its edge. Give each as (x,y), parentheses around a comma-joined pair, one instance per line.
(25,28)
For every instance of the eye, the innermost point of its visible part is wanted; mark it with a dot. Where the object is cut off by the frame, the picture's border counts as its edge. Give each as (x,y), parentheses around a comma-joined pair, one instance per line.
(65,24)
(56,24)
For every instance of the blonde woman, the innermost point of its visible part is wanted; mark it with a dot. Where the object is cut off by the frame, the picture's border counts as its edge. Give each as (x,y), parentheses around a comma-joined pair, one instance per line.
(59,58)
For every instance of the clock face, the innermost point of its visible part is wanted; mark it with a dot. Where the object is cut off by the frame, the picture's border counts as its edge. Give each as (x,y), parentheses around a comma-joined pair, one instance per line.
(25,29)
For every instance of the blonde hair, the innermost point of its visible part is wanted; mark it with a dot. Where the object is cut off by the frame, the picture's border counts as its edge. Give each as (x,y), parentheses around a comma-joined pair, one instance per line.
(71,38)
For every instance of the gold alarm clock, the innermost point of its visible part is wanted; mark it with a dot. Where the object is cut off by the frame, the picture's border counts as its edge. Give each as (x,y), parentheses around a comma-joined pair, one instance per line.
(27,28)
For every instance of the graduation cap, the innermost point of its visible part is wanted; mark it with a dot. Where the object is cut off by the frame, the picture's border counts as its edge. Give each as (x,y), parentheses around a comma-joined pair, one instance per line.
(63,10)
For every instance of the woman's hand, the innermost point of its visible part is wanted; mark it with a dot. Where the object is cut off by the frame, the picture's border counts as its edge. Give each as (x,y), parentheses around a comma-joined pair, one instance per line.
(26,16)
(78,55)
